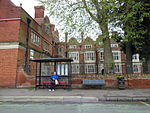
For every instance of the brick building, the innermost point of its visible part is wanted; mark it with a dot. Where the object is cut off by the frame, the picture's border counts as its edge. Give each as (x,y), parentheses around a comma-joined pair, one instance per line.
(88,56)
(22,38)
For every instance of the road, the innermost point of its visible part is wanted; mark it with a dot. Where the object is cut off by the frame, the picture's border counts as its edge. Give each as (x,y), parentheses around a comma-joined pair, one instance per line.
(97,107)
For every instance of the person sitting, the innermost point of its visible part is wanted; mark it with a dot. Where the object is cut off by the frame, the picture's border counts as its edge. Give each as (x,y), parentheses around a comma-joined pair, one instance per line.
(54,81)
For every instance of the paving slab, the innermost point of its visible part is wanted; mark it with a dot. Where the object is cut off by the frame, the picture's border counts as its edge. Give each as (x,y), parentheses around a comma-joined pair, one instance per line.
(78,95)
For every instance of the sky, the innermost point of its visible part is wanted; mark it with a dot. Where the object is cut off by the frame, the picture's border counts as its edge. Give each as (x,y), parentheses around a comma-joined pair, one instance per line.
(27,5)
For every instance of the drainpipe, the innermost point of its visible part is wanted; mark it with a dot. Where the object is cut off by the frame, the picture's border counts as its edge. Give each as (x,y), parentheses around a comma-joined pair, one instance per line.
(27,46)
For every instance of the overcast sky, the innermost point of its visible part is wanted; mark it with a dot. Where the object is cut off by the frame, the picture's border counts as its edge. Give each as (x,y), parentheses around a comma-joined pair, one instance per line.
(28,5)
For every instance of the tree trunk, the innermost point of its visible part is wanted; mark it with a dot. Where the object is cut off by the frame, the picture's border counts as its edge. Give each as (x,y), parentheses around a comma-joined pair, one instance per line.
(129,69)
(108,56)
(148,62)
(147,65)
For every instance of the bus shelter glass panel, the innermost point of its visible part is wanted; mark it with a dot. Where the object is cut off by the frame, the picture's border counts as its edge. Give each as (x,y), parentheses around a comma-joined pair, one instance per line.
(62,69)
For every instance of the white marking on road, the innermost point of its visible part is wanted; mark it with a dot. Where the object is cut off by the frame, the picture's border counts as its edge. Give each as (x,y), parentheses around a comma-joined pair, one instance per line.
(145,103)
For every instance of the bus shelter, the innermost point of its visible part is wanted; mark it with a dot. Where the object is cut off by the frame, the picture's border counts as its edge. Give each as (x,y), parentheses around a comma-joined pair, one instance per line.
(45,68)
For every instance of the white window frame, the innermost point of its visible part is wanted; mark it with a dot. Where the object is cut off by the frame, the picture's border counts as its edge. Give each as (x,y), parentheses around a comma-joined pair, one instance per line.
(72,46)
(101,55)
(76,57)
(135,58)
(89,56)
(75,68)
(136,67)
(117,68)
(114,45)
(35,39)
(89,68)
(88,46)
(117,57)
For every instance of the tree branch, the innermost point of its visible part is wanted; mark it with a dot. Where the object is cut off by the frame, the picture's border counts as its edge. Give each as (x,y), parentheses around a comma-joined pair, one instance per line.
(96,4)
(90,13)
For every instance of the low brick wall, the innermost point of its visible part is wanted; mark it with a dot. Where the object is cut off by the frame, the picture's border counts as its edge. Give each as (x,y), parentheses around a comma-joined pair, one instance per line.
(138,83)
(112,83)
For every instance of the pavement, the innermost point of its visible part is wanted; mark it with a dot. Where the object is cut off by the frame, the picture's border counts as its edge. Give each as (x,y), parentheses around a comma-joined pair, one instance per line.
(74,95)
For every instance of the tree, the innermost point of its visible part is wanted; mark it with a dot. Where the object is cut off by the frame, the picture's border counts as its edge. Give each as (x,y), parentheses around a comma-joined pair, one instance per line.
(83,15)
(134,17)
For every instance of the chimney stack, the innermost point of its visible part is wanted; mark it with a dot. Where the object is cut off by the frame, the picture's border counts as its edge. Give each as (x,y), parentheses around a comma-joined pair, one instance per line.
(82,35)
(66,37)
(39,11)
(20,4)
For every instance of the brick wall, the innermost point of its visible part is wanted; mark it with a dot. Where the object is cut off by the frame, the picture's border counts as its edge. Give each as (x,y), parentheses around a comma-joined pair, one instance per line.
(7,31)
(112,83)
(8,65)
(7,11)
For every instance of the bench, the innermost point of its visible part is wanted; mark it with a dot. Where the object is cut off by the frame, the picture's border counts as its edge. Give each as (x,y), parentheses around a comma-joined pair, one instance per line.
(44,83)
(90,82)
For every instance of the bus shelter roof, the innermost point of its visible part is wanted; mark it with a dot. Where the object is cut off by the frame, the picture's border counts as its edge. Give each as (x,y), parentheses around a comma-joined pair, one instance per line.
(52,60)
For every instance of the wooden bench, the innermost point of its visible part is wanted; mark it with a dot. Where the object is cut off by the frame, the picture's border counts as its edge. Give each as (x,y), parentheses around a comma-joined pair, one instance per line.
(90,82)
(64,83)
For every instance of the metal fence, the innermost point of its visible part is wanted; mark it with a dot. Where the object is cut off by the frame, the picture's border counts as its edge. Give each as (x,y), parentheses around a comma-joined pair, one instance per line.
(117,68)
(93,69)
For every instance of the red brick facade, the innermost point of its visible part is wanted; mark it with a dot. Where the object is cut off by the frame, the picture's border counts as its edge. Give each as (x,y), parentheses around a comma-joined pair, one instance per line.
(88,57)
(8,67)
(22,38)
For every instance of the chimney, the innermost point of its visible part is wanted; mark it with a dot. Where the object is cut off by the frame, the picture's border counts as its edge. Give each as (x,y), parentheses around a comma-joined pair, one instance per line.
(66,37)
(20,4)
(39,11)
(82,35)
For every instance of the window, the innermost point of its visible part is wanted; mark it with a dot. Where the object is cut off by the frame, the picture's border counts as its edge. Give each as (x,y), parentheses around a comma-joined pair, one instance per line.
(114,45)
(89,56)
(101,55)
(74,56)
(88,46)
(35,39)
(61,51)
(31,53)
(75,68)
(116,55)
(136,68)
(47,29)
(135,57)
(46,46)
(72,46)
(100,43)
(90,68)
(117,68)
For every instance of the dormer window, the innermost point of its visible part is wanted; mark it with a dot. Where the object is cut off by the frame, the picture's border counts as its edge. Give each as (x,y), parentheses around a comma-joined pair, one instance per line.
(135,57)
(114,45)
(72,46)
(88,46)
(47,29)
